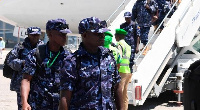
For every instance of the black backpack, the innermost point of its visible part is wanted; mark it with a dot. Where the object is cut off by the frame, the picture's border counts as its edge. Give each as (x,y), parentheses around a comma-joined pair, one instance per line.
(7,70)
(191,99)
(40,54)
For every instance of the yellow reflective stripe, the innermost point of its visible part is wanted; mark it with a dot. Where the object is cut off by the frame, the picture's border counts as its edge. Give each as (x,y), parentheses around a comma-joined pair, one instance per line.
(125,57)
(124,64)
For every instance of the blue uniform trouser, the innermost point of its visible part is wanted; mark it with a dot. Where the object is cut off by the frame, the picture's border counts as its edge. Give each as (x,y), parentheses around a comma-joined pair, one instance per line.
(19,101)
(144,34)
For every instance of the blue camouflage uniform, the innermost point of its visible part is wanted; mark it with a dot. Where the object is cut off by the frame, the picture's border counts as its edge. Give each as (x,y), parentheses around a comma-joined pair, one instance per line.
(161,12)
(15,59)
(45,82)
(90,77)
(95,79)
(44,91)
(133,31)
(143,17)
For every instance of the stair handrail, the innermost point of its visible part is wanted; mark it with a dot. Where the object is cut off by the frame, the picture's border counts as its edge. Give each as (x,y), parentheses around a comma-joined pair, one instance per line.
(155,32)
(115,11)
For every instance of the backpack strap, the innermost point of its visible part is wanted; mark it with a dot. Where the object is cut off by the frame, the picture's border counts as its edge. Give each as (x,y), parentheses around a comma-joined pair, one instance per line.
(40,53)
(78,62)
(21,49)
(78,66)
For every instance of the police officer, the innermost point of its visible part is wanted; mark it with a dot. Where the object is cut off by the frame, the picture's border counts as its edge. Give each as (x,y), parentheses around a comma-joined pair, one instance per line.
(142,13)
(132,37)
(89,76)
(110,45)
(16,59)
(161,14)
(2,47)
(124,69)
(41,80)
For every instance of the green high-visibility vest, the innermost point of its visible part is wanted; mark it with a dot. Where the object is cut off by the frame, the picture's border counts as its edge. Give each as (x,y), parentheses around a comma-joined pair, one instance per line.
(115,54)
(125,60)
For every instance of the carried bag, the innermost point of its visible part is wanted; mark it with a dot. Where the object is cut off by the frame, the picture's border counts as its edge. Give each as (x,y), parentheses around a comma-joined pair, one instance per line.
(7,70)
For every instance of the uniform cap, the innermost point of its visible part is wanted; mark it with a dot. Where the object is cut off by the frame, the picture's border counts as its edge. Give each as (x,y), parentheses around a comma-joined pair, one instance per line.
(127,14)
(33,30)
(59,25)
(108,34)
(120,31)
(92,24)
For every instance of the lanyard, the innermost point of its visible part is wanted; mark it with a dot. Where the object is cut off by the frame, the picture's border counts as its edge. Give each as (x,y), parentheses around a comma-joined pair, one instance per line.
(49,65)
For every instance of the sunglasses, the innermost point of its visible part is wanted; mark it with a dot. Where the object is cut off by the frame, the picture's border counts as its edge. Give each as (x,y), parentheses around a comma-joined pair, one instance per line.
(61,26)
(97,26)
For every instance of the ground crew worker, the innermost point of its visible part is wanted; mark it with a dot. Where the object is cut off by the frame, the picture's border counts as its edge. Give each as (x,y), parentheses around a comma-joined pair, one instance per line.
(132,37)
(89,77)
(2,47)
(41,80)
(124,69)
(16,59)
(107,44)
(142,13)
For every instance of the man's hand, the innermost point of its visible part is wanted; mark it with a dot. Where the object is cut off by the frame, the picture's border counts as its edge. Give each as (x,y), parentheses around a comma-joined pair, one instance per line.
(147,6)
(136,50)
(23,62)
(26,106)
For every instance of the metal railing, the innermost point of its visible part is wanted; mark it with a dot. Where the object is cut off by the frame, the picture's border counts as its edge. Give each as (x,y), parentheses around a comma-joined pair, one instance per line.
(155,32)
(122,4)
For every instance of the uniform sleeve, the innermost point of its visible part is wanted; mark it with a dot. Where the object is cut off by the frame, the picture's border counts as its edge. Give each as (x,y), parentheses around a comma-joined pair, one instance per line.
(68,74)
(30,63)
(134,12)
(116,77)
(153,7)
(138,31)
(13,59)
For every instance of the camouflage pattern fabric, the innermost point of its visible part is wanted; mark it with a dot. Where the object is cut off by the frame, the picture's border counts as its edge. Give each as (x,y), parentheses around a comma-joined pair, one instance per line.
(16,63)
(143,15)
(44,92)
(92,84)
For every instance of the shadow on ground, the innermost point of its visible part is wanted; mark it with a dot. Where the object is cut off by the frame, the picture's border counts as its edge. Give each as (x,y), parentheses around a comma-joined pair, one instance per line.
(1,66)
(167,99)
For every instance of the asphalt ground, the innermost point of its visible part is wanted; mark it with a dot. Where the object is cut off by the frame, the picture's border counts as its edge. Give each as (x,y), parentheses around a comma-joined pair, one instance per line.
(8,99)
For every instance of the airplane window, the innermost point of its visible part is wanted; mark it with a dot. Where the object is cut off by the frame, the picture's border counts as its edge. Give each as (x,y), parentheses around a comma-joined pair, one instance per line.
(196,46)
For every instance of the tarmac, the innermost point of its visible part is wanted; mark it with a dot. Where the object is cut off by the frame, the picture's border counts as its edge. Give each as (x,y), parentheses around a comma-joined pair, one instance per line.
(8,99)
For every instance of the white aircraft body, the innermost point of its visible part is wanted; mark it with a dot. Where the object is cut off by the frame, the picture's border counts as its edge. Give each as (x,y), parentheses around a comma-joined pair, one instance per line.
(25,13)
